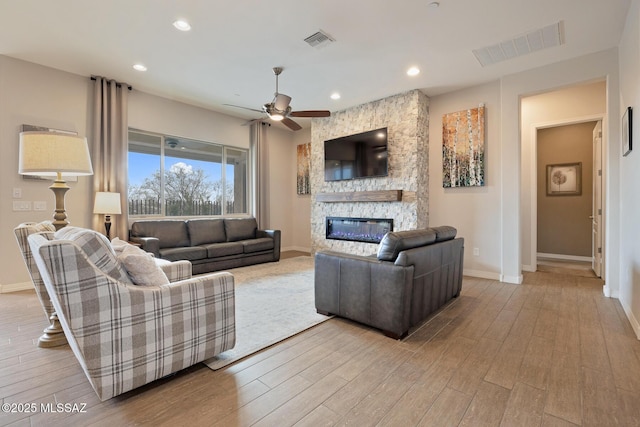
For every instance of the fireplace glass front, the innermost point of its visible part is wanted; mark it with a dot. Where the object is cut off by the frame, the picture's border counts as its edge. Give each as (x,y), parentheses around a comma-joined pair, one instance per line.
(368,230)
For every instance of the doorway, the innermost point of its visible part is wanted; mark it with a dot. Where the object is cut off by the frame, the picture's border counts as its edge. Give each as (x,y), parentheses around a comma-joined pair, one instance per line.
(568,197)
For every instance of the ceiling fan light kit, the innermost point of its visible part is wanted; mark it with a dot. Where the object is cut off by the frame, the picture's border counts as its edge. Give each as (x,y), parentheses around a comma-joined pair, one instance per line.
(282,102)
(280,110)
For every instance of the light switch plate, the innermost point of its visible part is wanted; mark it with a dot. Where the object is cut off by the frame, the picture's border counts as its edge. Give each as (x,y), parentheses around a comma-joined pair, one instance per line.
(39,206)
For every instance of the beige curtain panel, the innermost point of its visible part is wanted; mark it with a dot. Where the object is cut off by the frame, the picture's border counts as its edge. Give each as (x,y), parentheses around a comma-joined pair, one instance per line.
(109,139)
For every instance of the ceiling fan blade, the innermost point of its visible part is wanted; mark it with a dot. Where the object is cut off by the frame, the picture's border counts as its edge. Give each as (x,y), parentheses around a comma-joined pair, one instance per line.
(311,113)
(245,108)
(291,124)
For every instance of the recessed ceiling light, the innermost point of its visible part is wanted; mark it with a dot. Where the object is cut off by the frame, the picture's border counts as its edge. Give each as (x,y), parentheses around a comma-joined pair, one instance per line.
(139,67)
(434,5)
(335,95)
(182,25)
(413,71)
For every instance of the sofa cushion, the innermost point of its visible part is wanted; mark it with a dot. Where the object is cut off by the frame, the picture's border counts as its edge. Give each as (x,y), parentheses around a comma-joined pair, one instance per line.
(396,241)
(170,233)
(257,245)
(240,229)
(216,250)
(444,232)
(191,253)
(203,231)
(97,248)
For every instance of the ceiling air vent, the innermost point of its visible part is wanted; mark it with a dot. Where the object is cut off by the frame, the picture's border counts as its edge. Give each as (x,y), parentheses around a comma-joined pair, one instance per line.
(543,38)
(319,39)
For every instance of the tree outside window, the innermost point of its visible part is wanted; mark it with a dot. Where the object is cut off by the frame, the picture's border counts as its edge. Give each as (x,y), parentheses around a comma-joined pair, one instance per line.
(172,176)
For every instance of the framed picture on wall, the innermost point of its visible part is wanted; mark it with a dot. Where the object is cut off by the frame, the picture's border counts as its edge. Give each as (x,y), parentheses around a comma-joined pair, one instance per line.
(564,179)
(626,132)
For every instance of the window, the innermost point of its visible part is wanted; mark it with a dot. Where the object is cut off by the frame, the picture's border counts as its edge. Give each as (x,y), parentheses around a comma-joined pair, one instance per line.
(171,176)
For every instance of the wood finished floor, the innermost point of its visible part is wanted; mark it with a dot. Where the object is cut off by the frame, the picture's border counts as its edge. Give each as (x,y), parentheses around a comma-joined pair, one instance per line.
(550,352)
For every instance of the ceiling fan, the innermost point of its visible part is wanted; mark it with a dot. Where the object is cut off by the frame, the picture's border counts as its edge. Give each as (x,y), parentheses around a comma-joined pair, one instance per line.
(280,110)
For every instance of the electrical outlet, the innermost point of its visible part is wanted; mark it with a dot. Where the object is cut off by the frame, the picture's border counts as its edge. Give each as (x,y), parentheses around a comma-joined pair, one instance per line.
(21,206)
(476,251)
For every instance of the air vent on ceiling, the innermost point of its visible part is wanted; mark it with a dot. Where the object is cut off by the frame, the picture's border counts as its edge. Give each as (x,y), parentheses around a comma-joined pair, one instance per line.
(319,39)
(543,38)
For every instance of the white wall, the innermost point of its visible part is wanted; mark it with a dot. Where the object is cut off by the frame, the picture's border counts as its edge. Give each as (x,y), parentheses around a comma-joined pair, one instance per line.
(35,95)
(474,211)
(629,171)
(568,105)
(160,115)
(588,68)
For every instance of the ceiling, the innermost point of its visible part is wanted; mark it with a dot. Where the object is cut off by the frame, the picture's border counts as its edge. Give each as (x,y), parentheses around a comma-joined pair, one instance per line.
(228,56)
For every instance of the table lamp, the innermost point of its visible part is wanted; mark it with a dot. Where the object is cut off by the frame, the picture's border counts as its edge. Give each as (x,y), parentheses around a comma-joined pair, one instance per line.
(109,204)
(52,154)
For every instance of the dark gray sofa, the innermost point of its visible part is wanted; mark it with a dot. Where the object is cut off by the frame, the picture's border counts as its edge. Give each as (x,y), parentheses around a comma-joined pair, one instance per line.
(413,274)
(210,244)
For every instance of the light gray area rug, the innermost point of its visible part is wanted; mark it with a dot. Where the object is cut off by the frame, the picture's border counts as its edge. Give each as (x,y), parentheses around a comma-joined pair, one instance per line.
(274,301)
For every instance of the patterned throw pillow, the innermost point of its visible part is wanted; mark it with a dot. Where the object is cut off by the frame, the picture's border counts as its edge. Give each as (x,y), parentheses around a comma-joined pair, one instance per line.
(140,265)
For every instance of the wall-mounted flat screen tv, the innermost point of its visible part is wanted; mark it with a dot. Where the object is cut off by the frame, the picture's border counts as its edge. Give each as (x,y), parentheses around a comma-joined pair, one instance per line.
(363,155)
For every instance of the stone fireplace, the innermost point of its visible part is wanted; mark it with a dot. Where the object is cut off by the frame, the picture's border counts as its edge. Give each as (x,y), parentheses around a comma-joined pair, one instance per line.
(369,230)
(407,121)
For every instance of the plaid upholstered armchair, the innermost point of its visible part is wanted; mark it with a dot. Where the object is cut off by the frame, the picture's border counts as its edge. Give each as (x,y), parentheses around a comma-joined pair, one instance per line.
(125,335)
(53,335)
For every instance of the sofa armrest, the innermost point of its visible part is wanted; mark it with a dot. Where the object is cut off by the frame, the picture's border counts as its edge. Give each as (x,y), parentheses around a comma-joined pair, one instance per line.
(148,244)
(276,236)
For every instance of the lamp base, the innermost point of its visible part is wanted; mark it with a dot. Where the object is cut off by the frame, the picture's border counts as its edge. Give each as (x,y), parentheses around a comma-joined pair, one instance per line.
(54,335)
(107,226)
(59,188)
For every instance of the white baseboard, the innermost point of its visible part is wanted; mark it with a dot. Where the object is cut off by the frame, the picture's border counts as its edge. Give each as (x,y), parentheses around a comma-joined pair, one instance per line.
(632,319)
(493,276)
(565,257)
(295,248)
(15,287)
(516,280)
(481,274)
(529,268)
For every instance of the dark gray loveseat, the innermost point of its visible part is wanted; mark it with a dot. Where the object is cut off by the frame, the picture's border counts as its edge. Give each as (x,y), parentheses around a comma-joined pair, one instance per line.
(414,273)
(210,244)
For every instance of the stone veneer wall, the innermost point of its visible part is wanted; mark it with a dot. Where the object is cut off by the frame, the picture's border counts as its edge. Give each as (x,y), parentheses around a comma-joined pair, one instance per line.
(406,117)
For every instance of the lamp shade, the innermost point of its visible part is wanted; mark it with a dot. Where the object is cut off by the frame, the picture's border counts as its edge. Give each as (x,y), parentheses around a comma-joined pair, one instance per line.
(107,203)
(50,153)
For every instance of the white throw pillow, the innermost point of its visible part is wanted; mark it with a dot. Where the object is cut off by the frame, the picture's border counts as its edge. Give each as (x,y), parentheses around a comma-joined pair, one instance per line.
(119,245)
(140,265)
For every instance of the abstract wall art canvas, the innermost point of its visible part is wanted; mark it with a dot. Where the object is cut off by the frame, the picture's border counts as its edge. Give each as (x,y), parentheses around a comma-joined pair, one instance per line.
(463,151)
(304,168)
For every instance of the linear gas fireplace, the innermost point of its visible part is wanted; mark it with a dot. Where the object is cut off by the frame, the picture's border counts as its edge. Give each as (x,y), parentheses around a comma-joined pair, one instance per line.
(368,230)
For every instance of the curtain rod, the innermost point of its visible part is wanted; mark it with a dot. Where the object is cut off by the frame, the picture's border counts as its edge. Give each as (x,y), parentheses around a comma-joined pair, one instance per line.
(117,83)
